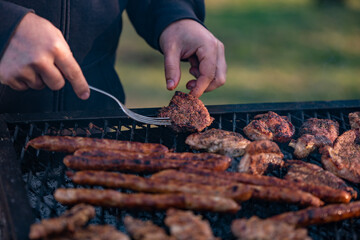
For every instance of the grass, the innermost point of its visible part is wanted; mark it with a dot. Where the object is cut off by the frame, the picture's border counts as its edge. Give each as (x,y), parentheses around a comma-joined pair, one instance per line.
(276,51)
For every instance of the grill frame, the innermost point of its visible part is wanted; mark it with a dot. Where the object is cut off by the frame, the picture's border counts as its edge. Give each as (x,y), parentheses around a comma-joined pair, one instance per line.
(14,204)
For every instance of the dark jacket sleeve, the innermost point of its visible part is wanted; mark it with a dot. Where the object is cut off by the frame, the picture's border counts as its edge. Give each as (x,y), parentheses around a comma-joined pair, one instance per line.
(10,16)
(151,17)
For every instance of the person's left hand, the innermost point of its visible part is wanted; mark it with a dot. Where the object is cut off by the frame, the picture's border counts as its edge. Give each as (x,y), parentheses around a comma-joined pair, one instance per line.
(189,40)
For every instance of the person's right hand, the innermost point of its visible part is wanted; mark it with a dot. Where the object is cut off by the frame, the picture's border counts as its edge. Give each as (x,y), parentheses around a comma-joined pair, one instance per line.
(38,56)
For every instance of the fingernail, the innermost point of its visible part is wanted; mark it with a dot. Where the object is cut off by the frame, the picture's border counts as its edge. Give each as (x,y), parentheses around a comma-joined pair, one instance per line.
(170,84)
(85,95)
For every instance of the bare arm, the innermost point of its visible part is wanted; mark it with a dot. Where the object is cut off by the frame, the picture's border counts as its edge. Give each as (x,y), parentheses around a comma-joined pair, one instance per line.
(38,56)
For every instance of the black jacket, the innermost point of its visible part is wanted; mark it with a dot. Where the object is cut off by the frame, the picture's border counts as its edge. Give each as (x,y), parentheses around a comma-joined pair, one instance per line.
(92,29)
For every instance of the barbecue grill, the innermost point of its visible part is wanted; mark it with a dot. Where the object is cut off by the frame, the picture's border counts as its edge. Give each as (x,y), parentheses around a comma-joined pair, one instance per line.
(29,177)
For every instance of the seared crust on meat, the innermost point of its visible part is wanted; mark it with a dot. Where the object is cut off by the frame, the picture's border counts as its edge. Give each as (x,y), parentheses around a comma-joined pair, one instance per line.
(185,225)
(320,215)
(93,232)
(214,140)
(344,158)
(308,172)
(354,120)
(143,201)
(70,220)
(143,162)
(259,156)
(315,133)
(265,193)
(266,229)
(145,230)
(71,144)
(270,126)
(325,193)
(187,113)
(237,191)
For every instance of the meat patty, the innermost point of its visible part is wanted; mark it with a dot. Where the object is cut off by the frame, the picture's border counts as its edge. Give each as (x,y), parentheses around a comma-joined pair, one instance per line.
(143,201)
(260,156)
(344,158)
(320,215)
(69,221)
(270,126)
(214,140)
(145,230)
(187,113)
(299,171)
(266,229)
(185,225)
(315,133)
(354,120)
(71,144)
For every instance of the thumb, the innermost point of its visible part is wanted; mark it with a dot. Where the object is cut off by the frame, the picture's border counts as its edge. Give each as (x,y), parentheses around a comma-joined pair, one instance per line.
(172,68)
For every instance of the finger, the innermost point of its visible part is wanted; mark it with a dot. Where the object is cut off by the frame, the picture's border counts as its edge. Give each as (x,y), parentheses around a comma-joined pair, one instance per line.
(51,76)
(208,59)
(31,79)
(172,68)
(71,70)
(18,85)
(221,69)
(194,66)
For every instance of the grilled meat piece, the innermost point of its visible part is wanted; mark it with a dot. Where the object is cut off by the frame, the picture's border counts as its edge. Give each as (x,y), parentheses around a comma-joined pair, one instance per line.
(184,225)
(270,126)
(218,141)
(71,220)
(143,162)
(354,119)
(187,113)
(265,193)
(266,229)
(145,230)
(320,215)
(93,232)
(259,156)
(301,171)
(142,201)
(325,193)
(71,144)
(344,158)
(237,191)
(315,133)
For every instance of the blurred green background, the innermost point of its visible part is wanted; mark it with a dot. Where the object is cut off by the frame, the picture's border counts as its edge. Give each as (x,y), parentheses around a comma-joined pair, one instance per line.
(276,51)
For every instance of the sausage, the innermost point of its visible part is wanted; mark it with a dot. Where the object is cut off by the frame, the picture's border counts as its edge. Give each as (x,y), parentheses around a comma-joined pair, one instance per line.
(71,144)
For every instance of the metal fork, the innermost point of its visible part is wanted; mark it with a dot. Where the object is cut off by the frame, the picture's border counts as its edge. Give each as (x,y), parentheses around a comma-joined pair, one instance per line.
(133,115)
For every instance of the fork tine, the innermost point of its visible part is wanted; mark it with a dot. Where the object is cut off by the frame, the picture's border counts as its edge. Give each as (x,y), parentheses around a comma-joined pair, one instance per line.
(133,115)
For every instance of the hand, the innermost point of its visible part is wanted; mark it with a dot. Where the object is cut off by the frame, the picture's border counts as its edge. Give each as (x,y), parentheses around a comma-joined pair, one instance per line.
(188,39)
(38,56)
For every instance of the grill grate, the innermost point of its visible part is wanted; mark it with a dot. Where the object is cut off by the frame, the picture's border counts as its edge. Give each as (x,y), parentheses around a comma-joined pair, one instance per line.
(43,172)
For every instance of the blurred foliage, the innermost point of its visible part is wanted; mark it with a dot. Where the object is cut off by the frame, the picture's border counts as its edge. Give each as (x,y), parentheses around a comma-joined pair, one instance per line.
(276,51)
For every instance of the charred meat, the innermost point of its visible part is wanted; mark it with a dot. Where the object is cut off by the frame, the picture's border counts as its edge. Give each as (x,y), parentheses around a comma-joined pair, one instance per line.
(72,219)
(260,156)
(270,126)
(228,143)
(354,119)
(187,113)
(145,230)
(185,225)
(315,133)
(299,171)
(344,158)
(266,229)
